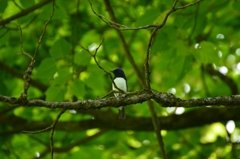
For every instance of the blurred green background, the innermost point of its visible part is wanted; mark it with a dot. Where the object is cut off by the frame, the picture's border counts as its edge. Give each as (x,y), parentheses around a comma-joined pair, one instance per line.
(195,55)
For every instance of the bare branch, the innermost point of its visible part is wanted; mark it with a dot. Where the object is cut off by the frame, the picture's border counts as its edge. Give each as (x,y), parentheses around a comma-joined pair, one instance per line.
(229,81)
(44,30)
(146,65)
(17,5)
(119,27)
(123,27)
(24,12)
(72,145)
(188,5)
(189,119)
(21,43)
(27,76)
(48,128)
(53,129)
(38,131)
(163,99)
(157,127)
(125,45)
(95,59)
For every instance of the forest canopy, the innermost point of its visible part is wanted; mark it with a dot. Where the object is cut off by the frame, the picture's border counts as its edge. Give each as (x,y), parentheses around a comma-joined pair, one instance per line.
(182,63)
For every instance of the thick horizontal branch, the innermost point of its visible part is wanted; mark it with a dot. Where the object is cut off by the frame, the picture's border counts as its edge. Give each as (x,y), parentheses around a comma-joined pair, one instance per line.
(109,120)
(164,99)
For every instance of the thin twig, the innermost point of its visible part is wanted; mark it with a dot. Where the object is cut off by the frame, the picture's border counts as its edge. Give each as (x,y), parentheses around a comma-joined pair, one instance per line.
(203,78)
(194,24)
(72,145)
(188,5)
(53,128)
(127,93)
(27,76)
(95,59)
(38,131)
(157,127)
(108,94)
(125,45)
(229,81)
(146,64)
(123,27)
(76,16)
(17,5)
(24,12)
(21,43)
(44,30)
(140,78)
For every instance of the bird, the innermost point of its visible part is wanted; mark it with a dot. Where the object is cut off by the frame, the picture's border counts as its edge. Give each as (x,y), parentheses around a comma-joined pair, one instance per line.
(121,82)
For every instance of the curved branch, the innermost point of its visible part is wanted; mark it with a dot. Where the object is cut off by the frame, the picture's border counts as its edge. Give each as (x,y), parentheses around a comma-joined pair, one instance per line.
(124,44)
(72,145)
(123,27)
(24,12)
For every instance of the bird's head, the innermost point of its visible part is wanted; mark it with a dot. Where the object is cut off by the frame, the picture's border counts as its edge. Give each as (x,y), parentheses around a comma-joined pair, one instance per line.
(118,73)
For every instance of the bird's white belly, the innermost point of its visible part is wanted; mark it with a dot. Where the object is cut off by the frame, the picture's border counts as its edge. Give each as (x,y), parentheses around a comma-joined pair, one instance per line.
(121,84)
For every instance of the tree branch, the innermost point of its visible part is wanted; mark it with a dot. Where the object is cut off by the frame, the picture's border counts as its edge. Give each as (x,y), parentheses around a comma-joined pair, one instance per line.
(124,44)
(27,76)
(229,81)
(16,73)
(163,99)
(190,119)
(24,12)
(72,145)
(112,23)
(53,129)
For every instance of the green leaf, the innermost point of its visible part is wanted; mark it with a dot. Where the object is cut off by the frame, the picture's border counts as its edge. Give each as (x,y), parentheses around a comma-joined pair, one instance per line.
(183,61)
(3,5)
(60,49)
(236,6)
(96,80)
(165,40)
(207,53)
(82,58)
(55,93)
(27,3)
(63,75)
(148,18)
(4,34)
(78,88)
(59,12)
(46,69)
(25,19)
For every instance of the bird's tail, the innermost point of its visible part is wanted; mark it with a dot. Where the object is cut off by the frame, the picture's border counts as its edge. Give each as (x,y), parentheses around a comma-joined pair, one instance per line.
(121,114)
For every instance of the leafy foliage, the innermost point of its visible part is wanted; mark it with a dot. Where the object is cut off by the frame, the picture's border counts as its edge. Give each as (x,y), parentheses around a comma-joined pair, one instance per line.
(196,54)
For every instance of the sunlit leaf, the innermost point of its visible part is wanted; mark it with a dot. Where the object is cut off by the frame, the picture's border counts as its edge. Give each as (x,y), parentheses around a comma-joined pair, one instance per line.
(207,53)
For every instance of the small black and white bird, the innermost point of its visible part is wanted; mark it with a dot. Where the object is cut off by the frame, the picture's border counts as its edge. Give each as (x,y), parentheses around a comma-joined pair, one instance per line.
(121,82)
